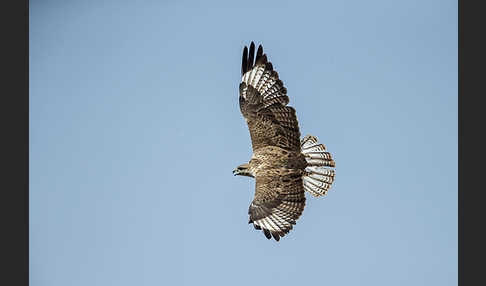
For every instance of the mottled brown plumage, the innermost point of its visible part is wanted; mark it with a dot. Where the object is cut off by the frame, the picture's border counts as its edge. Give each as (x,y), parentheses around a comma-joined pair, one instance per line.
(283,165)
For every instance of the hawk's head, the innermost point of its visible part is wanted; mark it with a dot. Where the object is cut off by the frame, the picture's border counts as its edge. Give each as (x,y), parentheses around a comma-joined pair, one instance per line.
(243,170)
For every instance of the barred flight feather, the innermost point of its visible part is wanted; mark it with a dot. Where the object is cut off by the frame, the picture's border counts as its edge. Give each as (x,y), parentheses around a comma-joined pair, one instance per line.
(278,220)
(267,73)
(273,225)
(265,80)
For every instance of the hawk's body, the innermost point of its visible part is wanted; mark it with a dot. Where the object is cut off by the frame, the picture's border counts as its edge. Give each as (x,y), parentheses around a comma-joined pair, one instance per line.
(283,165)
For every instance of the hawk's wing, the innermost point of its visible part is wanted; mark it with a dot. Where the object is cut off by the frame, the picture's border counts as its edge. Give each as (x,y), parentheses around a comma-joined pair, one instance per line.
(278,203)
(263,100)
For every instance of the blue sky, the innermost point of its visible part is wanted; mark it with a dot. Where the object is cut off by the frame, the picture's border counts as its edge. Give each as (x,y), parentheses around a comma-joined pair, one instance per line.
(135,129)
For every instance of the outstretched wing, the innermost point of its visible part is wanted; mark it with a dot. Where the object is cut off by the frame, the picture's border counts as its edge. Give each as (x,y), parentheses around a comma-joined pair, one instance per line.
(263,100)
(279,201)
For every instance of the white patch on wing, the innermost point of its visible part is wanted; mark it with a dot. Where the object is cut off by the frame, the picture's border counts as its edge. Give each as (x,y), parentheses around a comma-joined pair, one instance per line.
(253,76)
(263,223)
(257,76)
(280,221)
(272,224)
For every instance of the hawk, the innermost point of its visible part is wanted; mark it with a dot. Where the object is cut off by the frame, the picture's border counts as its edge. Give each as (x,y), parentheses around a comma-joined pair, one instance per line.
(283,165)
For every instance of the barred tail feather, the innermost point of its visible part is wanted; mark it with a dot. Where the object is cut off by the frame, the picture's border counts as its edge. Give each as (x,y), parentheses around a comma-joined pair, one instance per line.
(318,176)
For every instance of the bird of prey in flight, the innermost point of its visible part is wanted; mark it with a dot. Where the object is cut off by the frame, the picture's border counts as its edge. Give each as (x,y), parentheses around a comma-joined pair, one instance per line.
(283,165)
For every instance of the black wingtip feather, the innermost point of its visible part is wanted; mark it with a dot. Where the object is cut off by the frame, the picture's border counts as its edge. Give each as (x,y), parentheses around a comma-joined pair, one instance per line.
(267,233)
(251,56)
(269,65)
(276,236)
(249,59)
(244,61)
(259,53)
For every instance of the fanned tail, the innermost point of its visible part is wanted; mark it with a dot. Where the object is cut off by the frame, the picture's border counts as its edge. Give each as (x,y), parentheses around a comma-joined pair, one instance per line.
(318,176)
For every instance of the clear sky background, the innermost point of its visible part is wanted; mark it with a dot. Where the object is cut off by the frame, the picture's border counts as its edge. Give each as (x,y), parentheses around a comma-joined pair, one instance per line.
(135,130)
